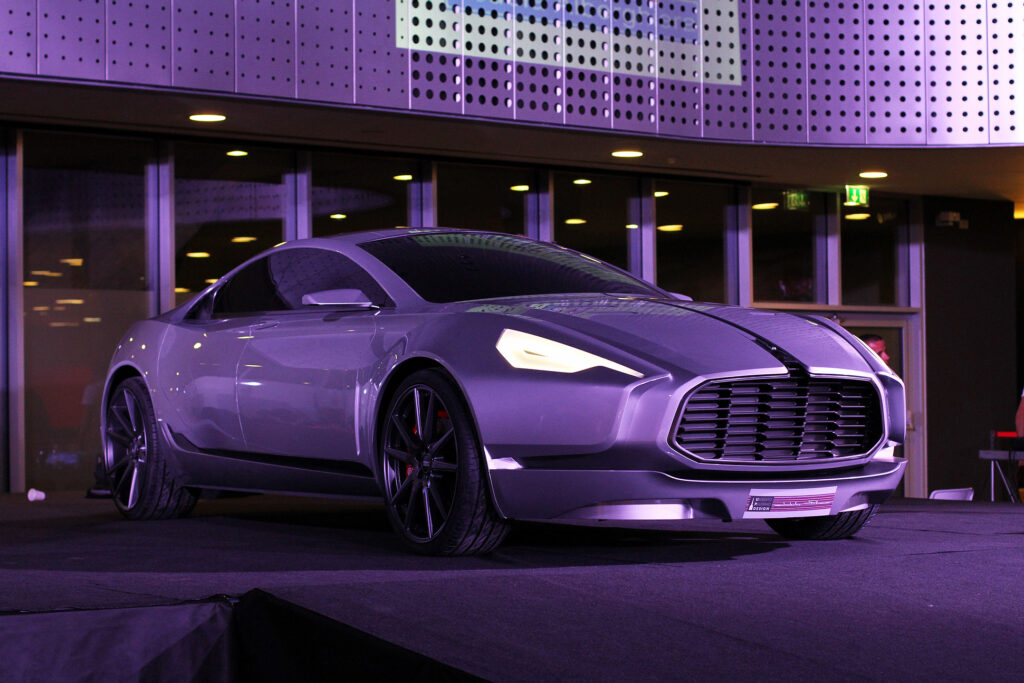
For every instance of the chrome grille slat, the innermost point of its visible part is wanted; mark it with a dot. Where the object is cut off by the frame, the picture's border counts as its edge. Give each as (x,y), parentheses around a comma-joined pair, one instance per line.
(794,417)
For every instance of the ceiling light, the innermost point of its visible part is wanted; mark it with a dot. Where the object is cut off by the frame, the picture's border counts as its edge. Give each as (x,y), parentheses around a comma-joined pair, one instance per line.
(198,254)
(581,181)
(765,206)
(339,216)
(404,177)
(673,227)
(63,324)
(71,302)
(207,118)
(627,154)
(632,226)
(243,239)
(30,283)
(575,221)
(873,174)
(181,290)
(661,193)
(851,204)
(40,308)
(92,319)
(238,153)
(72,261)
(210,281)
(46,273)
(857,216)
(520,188)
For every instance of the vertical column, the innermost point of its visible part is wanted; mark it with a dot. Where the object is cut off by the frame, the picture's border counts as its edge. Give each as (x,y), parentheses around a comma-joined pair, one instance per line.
(298,189)
(4,314)
(423,197)
(739,263)
(13,233)
(160,245)
(642,239)
(827,261)
(540,208)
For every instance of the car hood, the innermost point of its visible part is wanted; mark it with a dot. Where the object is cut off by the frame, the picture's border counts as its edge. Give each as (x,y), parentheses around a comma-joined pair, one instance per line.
(702,338)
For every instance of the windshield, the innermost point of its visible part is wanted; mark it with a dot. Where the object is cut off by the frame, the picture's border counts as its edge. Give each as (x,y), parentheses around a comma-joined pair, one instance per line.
(453,266)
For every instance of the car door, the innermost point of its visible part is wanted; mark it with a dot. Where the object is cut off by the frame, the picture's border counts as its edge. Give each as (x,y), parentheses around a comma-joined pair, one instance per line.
(201,356)
(301,373)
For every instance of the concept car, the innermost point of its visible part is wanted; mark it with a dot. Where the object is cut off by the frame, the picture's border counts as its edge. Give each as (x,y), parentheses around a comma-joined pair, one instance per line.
(473,378)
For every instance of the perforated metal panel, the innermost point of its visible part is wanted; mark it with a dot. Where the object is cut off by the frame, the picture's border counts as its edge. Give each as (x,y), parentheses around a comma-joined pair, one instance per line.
(1006,71)
(895,90)
(634,65)
(835,71)
(487,70)
(17,36)
(71,39)
(727,69)
(436,59)
(538,49)
(139,41)
(382,53)
(956,73)
(679,67)
(325,59)
(780,70)
(266,47)
(203,44)
(588,83)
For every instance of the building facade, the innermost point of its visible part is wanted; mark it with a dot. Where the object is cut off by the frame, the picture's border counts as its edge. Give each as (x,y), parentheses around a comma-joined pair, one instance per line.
(752,118)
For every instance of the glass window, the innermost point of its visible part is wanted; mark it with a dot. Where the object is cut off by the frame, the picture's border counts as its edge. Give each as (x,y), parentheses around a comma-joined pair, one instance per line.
(250,290)
(869,241)
(783,226)
(479,197)
(691,237)
(85,283)
(592,214)
(227,209)
(352,192)
(444,267)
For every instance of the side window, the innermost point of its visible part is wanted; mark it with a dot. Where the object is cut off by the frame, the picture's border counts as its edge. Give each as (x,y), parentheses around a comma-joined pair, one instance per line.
(251,290)
(296,272)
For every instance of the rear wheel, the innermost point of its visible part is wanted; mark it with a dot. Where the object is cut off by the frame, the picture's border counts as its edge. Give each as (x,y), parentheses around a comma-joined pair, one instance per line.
(137,468)
(435,486)
(827,528)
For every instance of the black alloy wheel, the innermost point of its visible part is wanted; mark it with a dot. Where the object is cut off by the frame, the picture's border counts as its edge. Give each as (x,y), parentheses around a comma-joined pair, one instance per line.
(140,480)
(434,483)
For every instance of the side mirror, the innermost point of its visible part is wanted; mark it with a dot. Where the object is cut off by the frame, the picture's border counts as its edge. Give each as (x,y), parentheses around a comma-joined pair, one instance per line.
(353,298)
(681,297)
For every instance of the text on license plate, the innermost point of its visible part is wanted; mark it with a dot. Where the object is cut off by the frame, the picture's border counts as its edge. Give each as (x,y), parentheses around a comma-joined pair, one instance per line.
(764,503)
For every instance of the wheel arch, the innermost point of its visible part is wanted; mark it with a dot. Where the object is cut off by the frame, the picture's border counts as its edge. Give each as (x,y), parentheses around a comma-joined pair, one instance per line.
(115,378)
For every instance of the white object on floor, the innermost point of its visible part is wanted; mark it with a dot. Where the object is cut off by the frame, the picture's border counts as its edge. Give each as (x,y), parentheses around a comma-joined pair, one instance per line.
(35,494)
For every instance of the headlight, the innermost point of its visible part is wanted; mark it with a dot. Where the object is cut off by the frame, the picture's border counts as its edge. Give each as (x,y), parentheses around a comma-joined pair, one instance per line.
(530,352)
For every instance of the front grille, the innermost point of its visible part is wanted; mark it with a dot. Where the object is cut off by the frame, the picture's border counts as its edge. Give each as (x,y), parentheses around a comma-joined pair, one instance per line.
(780,419)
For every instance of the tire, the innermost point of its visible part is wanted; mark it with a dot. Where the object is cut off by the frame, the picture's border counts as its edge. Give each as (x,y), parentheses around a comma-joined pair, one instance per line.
(134,461)
(432,473)
(828,528)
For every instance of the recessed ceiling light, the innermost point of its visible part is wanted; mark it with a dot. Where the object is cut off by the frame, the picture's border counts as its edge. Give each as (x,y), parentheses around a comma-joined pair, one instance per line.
(661,193)
(46,273)
(857,216)
(627,154)
(207,118)
(198,254)
(30,283)
(765,206)
(72,261)
(632,226)
(403,177)
(874,174)
(70,302)
(851,204)
(339,216)
(238,153)
(243,239)
(181,290)
(672,227)
(210,281)
(581,181)
(40,308)
(520,188)
(91,319)
(575,221)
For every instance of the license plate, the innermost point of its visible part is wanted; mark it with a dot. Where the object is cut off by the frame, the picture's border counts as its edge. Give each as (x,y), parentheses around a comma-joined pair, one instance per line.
(765,503)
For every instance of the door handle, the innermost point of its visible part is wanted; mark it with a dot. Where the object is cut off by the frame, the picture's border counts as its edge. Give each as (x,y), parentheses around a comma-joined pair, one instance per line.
(263,324)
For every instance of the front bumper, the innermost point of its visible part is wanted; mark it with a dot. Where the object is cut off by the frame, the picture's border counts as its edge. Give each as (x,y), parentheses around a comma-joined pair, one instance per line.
(546,494)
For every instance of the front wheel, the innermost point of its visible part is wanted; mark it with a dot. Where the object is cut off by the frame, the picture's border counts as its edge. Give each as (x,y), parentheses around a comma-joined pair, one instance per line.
(432,472)
(826,528)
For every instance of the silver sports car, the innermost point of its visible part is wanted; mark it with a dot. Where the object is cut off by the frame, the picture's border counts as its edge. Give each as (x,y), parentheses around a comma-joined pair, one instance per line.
(473,378)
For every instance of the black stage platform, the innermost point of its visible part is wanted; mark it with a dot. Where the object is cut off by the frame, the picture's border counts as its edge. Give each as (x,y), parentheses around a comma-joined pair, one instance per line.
(270,588)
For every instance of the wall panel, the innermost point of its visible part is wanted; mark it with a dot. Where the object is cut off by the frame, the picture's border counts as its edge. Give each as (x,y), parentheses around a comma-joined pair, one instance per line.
(139,41)
(325,61)
(17,36)
(895,72)
(71,39)
(203,45)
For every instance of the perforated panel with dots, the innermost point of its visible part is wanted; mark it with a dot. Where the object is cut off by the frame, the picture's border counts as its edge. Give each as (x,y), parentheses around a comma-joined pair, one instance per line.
(894,80)
(679,66)
(835,71)
(956,73)
(266,47)
(17,36)
(325,59)
(1006,71)
(487,69)
(382,54)
(588,83)
(538,47)
(780,70)
(139,41)
(203,44)
(436,60)
(727,69)
(634,65)
(71,39)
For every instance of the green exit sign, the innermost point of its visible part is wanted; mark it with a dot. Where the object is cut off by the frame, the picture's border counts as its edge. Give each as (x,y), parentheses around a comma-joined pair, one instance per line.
(856,195)
(797,200)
